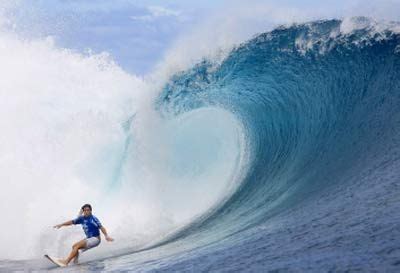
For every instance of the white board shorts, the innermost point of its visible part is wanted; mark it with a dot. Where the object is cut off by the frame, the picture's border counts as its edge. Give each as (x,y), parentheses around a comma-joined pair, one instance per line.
(91,242)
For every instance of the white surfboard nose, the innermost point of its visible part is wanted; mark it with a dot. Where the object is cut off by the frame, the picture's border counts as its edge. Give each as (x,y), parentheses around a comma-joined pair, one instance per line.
(56,261)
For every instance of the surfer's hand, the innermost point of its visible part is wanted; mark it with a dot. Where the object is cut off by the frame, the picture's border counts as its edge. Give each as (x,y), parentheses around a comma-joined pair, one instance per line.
(108,238)
(57,226)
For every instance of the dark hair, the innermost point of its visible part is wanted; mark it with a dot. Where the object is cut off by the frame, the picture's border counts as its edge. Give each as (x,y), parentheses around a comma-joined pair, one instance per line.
(87,206)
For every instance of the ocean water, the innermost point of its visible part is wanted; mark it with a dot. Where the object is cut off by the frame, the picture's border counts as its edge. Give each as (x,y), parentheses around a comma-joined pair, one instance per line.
(291,144)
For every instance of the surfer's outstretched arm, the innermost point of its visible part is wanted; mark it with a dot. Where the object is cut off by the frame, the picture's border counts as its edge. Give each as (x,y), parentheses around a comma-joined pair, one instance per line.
(68,223)
(108,238)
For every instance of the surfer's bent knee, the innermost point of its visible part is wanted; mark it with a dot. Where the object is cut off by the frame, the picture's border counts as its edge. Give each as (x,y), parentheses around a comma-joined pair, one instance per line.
(79,245)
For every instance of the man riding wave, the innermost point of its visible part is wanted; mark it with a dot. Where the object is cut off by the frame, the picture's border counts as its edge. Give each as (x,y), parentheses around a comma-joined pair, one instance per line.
(91,226)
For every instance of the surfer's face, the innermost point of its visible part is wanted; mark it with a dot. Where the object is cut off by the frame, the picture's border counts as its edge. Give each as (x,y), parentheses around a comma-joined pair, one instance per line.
(87,211)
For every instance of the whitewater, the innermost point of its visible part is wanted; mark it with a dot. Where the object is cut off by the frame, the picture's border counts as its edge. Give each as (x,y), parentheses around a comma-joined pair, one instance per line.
(279,152)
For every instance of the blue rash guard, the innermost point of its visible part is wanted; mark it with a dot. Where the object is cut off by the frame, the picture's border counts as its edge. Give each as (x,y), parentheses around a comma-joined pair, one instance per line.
(90,225)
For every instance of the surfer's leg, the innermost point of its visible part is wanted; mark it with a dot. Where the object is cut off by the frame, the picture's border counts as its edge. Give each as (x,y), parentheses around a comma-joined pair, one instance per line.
(75,250)
(76,259)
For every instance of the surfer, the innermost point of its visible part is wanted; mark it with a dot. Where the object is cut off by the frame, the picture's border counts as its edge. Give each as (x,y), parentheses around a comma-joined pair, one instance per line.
(91,226)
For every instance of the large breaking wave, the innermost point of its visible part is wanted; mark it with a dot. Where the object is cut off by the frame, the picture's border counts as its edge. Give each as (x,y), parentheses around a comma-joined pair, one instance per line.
(318,104)
(320,107)
(289,115)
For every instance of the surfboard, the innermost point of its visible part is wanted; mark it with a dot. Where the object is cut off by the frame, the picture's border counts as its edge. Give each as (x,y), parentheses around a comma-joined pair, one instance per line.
(54,260)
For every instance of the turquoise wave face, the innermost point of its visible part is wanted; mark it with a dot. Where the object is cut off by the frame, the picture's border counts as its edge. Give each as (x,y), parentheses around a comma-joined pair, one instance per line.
(317,105)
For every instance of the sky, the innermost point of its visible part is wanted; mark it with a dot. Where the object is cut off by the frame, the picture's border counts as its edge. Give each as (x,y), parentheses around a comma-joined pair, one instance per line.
(137,33)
